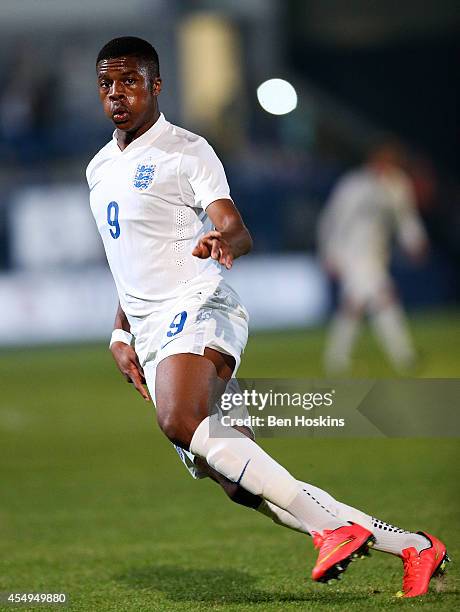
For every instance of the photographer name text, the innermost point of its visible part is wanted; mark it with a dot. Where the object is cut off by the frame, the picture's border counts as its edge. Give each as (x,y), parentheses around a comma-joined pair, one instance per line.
(276,421)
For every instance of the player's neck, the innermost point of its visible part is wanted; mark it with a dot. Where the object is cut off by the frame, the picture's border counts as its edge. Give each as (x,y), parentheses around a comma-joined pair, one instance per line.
(126,138)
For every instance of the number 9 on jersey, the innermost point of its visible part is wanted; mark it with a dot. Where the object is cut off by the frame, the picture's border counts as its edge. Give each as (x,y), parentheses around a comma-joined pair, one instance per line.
(112,219)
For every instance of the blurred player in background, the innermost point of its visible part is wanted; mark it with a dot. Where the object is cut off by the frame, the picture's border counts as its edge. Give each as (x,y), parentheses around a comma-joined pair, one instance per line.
(366,209)
(162,205)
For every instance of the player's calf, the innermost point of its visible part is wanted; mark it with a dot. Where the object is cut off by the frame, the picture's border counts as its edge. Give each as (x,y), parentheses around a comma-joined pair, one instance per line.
(235,492)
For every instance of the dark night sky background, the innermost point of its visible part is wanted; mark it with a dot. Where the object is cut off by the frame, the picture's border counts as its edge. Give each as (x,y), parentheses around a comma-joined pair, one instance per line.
(409,86)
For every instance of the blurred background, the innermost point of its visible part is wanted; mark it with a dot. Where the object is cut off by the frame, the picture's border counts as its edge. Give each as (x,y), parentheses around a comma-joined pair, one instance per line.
(359,69)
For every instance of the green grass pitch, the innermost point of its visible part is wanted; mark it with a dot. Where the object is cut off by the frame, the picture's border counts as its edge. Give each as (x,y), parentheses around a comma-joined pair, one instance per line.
(95,503)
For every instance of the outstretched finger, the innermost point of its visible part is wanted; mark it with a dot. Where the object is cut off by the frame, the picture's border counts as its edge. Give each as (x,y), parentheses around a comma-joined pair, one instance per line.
(215,249)
(226,260)
(141,370)
(137,382)
(212,234)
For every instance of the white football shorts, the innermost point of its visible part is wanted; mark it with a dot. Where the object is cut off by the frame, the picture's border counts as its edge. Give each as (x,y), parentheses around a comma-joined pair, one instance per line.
(365,280)
(209,314)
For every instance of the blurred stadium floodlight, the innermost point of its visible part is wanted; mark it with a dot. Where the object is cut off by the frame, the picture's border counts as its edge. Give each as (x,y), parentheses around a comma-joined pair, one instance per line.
(277,96)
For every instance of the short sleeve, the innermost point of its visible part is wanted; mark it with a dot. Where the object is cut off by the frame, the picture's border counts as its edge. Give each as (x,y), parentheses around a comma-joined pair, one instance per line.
(89,175)
(204,173)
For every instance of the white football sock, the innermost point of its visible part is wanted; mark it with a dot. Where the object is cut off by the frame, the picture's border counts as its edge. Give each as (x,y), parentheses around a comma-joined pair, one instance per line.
(391,328)
(341,338)
(281,517)
(389,539)
(286,519)
(241,460)
(295,504)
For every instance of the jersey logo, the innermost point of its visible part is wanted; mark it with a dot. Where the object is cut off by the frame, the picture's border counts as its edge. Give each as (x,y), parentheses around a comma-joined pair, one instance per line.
(143,177)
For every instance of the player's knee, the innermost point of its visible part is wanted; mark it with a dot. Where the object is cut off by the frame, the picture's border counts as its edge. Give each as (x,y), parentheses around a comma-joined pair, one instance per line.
(178,429)
(172,427)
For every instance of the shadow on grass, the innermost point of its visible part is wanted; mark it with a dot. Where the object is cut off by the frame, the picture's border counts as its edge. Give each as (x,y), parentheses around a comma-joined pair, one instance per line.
(184,584)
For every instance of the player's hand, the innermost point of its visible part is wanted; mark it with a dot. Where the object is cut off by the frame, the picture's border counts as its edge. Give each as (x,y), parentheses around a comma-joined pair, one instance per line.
(128,364)
(215,246)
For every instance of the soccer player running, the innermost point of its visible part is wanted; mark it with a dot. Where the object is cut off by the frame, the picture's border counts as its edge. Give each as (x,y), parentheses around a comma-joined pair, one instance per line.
(162,205)
(367,207)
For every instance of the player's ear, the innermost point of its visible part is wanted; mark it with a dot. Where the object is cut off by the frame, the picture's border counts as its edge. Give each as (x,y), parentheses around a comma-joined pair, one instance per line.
(156,85)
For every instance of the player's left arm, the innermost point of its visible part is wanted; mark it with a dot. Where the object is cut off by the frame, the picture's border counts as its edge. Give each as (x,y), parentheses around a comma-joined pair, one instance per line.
(409,226)
(229,240)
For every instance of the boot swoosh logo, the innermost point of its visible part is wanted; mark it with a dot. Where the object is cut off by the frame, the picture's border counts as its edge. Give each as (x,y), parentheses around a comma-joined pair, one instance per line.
(338,547)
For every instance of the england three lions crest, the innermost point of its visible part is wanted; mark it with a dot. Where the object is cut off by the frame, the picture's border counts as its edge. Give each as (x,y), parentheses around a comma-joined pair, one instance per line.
(143,176)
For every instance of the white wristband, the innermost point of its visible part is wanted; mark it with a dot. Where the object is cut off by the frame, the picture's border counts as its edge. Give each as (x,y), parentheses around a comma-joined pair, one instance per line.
(120,335)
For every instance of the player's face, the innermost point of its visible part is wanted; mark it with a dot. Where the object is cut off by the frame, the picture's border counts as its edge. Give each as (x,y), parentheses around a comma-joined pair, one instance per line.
(127,92)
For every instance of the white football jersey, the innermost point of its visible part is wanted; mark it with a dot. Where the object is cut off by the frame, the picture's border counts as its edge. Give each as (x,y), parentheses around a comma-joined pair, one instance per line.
(149,203)
(363,213)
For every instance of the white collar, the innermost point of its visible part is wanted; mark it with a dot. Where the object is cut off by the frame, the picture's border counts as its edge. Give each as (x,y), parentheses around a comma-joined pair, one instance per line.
(147,137)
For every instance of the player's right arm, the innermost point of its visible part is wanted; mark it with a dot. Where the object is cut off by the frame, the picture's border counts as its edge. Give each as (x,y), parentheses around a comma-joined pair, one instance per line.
(126,358)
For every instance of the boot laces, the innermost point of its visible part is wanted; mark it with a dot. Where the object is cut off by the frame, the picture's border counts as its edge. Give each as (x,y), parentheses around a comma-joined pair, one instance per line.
(413,568)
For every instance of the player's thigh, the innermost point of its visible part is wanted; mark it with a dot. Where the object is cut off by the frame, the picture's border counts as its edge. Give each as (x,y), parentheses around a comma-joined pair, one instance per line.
(186,387)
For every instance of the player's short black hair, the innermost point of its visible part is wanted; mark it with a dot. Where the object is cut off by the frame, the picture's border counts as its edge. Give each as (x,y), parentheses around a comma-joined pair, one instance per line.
(131,46)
